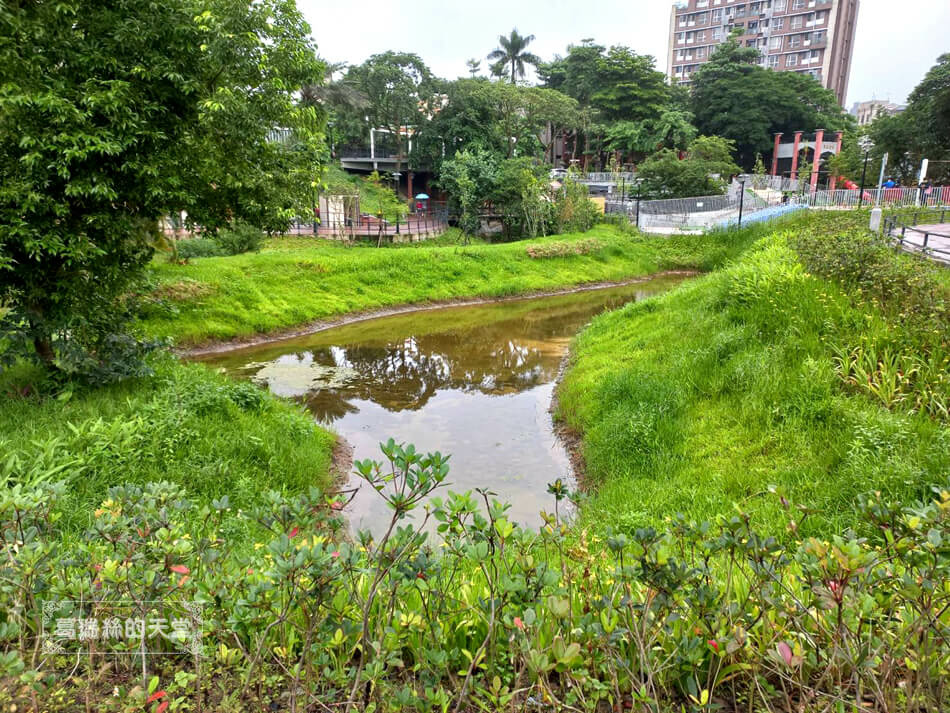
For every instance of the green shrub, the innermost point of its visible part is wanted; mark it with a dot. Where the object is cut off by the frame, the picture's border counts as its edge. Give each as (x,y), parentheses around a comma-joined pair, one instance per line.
(482,615)
(240,238)
(198,247)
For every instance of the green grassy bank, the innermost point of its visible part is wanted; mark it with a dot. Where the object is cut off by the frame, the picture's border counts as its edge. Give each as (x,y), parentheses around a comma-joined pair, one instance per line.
(816,364)
(186,425)
(292,282)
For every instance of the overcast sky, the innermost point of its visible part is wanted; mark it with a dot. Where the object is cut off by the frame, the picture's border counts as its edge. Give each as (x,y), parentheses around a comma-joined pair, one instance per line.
(896,43)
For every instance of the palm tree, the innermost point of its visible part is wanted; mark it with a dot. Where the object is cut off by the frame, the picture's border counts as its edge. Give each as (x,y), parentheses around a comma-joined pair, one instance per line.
(512,52)
(335,93)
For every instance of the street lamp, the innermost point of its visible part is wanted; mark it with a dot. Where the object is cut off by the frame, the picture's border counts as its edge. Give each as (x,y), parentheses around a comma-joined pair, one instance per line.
(396,175)
(866,145)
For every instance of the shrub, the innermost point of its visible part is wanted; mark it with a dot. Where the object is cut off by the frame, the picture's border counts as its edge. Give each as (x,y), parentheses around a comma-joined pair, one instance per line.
(483,615)
(240,238)
(198,247)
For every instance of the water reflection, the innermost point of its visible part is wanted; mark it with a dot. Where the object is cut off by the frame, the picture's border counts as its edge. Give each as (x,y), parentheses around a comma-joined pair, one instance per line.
(475,382)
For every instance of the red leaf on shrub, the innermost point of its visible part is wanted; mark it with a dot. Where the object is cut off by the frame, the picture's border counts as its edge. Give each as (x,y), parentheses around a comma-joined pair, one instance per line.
(517,622)
(294,532)
(155,696)
(162,707)
(334,554)
(712,642)
(786,652)
(180,569)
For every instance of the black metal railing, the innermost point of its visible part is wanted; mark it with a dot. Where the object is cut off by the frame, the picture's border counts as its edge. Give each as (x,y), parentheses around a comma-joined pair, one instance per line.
(916,232)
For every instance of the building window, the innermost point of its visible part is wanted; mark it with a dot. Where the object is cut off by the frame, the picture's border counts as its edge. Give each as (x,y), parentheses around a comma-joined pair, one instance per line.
(795,41)
(798,4)
(779,5)
(791,60)
(798,22)
(818,36)
(773,61)
(778,23)
(717,15)
(702,18)
(775,43)
(701,36)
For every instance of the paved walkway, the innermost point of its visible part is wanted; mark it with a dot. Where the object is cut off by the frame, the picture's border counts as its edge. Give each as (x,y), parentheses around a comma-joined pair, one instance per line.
(935,238)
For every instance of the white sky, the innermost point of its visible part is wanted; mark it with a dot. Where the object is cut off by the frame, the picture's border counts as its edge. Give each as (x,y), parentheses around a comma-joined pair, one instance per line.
(897,41)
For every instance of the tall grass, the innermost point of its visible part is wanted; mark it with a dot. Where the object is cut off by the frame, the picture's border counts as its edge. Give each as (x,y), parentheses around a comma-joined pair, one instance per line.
(186,425)
(728,390)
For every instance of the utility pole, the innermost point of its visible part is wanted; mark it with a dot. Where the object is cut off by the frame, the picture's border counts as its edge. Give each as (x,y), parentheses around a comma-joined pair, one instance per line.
(864,173)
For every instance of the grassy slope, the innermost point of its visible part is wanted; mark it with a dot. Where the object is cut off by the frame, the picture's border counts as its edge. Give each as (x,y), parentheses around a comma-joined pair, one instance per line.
(292,283)
(708,395)
(186,424)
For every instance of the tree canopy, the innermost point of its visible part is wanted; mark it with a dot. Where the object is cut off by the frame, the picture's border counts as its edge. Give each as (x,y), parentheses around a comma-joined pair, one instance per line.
(734,97)
(113,115)
(921,131)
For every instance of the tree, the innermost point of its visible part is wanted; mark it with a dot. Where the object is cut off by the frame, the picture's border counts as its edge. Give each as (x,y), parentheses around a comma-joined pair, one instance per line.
(734,97)
(921,131)
(474,66)
(113,115)
(398,85)
(511,56)
(703,172)
(630,108)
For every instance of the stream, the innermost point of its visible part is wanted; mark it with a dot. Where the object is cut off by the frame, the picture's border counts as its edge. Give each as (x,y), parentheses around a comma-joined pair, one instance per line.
(475,382)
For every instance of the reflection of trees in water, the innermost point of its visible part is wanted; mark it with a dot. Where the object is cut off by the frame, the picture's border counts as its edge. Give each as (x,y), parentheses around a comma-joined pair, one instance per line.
(405,375)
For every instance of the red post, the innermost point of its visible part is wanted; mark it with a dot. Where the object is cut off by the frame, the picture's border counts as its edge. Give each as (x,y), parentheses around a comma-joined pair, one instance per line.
(819,138)
(778,141)
(798,141)
(838,137)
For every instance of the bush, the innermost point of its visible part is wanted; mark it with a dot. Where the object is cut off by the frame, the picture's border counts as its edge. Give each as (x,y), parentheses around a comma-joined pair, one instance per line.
(189,248)
(240,238)
(482,616)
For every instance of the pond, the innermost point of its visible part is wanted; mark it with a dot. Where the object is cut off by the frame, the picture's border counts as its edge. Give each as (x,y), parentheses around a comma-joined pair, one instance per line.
(475,382)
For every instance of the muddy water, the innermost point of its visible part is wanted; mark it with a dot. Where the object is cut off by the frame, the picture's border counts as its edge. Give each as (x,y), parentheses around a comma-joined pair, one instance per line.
(475,382)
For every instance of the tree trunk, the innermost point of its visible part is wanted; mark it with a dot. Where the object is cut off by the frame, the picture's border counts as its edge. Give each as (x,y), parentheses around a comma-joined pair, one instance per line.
(44,350)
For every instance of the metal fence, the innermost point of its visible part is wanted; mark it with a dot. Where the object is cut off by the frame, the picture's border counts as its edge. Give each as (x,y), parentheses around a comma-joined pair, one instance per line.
(688,213)
(925,232)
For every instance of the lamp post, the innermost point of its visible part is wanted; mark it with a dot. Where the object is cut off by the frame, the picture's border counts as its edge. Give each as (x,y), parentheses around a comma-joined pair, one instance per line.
(639,182)
(396,176)
(866,146)
(741,201)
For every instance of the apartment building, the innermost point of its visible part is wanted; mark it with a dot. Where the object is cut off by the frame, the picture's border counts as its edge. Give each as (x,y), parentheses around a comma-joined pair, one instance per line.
(813,37)
(868,111)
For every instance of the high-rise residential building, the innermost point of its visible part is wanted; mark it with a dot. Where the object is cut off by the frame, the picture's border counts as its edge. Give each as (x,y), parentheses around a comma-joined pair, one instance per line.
(868,111)
(813,37)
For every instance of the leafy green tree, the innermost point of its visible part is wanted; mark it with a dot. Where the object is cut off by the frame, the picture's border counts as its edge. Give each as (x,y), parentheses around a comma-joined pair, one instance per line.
(631,109)
(704,171)
(399,87)
(469,178)
(113,115)
(921,131)
(511,56)
(734,97)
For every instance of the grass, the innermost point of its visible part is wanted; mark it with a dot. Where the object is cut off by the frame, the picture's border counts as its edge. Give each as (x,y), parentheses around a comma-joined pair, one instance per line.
(187,425)
(298,281)
(724,393)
